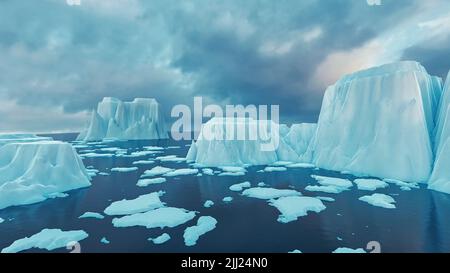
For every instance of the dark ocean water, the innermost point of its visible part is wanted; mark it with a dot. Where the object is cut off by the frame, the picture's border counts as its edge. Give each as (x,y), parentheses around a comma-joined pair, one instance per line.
(420,223)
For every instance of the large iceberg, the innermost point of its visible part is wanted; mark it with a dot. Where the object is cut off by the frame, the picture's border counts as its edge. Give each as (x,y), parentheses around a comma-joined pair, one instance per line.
(6,138)
(32,172)
(440,177)
(379,122)
(139,119)
(264,142)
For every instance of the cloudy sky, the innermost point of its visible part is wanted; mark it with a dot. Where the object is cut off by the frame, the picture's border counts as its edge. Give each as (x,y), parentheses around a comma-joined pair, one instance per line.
(58,60)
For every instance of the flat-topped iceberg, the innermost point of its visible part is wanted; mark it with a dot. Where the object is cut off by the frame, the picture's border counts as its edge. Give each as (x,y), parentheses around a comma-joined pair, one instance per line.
(32,172)
(378,122)
(114,119)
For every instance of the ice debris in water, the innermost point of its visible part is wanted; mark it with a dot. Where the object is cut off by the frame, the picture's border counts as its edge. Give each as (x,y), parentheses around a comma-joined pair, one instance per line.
(240,186)
(347,250)
(143,162)
(48,239)
(208,171)
(208,204)
(227,199)
(124,169)
(104,241)
(269,193)
(181,172)
(295,251)
(91,215)
(141,204)
(158,170)
(150,181)
(370,184)
(274,169)
(160,239)
(293,207)
(157,218)
(379,200)
(329,184)
(204,224)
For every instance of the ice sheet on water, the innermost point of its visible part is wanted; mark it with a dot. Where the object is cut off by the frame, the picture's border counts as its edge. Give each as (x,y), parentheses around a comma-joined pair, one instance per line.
(333,181)
(104,241)
(208,171)
(143,162)
(281,163)
(379,200)
(204,225)
(232,174)
(48,239)
(158,170)
(150,181)
(170,158)
(124,169)
(232,169)
(269,193)
(293,207)
(91,215)
(208,203)
(327,199)
(295,251)
(227,199)
(157,218)
(370,184)
(143,203)
(301,165)
(401,183)
(346,250)
(160,239)
(240,186)
(95,155)
(274,169)
(179,172)
(153,148)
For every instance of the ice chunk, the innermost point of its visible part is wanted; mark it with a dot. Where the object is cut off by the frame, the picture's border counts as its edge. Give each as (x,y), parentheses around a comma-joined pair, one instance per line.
(124,169)
(208,171)
(91,215)
(157,218)
(347,250)
(301,165)
(141,204)
(233,169)
(181,172)
(227,199)
(208,204)
(153,148)
(281,163)
(379,200)
(146,182)
(232,174)
(48,239)
(261,184)
(104,241)
(293,207)
(269,193)
(95,155)
(158,170)
(240,186)
(160,239)
(326,189)
(401,184)
(378,122)
(370,184)
(139,119)
(204,225)
(327,199)
(33,172)
(333,181)
(2,220)
(143,162)
(295,251)
(274,169)
(170,158)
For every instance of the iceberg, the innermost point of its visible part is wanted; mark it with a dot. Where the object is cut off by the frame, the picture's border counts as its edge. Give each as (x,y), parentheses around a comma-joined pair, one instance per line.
(115,119)
(227,199)
(104,241)
(379,200)
(32,172)
(269,193)
(378,122)
(157,218)
(204,225)
(48,239)
(141,204)
(160,239)
(293,207)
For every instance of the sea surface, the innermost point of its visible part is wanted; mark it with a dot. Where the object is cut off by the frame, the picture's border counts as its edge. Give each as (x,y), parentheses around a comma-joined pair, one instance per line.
(419,223)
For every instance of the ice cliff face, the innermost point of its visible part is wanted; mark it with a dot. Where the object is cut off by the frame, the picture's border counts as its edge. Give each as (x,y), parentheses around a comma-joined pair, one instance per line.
(139,119)
(34,171)
(440,177)
(378,122)
(219,149)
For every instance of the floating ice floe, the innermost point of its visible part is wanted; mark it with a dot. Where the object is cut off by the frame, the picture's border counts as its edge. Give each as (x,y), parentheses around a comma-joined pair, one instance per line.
(404,186)
(273,169)
(179,172)
(281,163)
(370,184)
(329,184)
(91,215)
(124,169)
(261,184)
(160,239)
(170,158)
(173,147)
(208,171)
(301,165)
(295,251)
(141,204)
(346,250)
(232,174)
(153,148)
(379,200)
(269,193)
(227,199)
(232,169)
(157,218)
(103,173)
(204,225)
(208,203)
(113,149)
(104,241)
(327,199)
(158,170)
(150,181)
(92,172)
(143,162)
(326,189)
(240,186)
(54,195)
(293,207)
(2,220)
(48,239)
(95,155)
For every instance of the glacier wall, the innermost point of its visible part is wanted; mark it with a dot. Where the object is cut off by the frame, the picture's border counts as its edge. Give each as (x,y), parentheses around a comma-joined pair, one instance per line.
(139,119)
(34,171)
(440,177)
(379,122)
(221,150)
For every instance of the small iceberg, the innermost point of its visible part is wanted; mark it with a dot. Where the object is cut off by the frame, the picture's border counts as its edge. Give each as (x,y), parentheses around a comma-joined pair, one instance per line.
(141,204)
(160,239)
(301,165)
(208,171)
(179,172)
(327,199)
(295,251)
(204,225)
(89,214)
(104,241)
(293,207)
(95,155)
(208,204)
(379,200)
(370,184)
(329,184)
(143,162)
(2,220)
(157,218)
(150,181)
(269,193)
(153,148)
(325,189)
(347,250)
(240,186)
(227,199)
(404,186)
(48,239)
(124,169)
(158,170)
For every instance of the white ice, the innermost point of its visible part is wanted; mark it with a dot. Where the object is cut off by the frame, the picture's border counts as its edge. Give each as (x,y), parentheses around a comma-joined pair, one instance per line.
(143,162)
(124,169)
(160,239)
(179,172)
(346,250)
(293,207)
(269,193)
(379,200)
(227,199)
(158,170)
(370,184)
(157,218)
(208,203)
(142,203)
(91,215)
(150,181)
(204,225)
(240,186)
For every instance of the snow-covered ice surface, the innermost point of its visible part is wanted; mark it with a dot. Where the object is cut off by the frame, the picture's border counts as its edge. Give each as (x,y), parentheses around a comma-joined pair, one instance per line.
(293,207)
(49,239)
(91,215)
(208,203)
(150,181)
(379,200)
(139,119)
(227,199)
(124,169)
(142,203)
(240,186)
(179,172)
(346,250)
(157,218)
(161,239)
(370,184)
(104,241)
(204,225)
(329,184)
(269,193)
(6,138)
(158,170)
